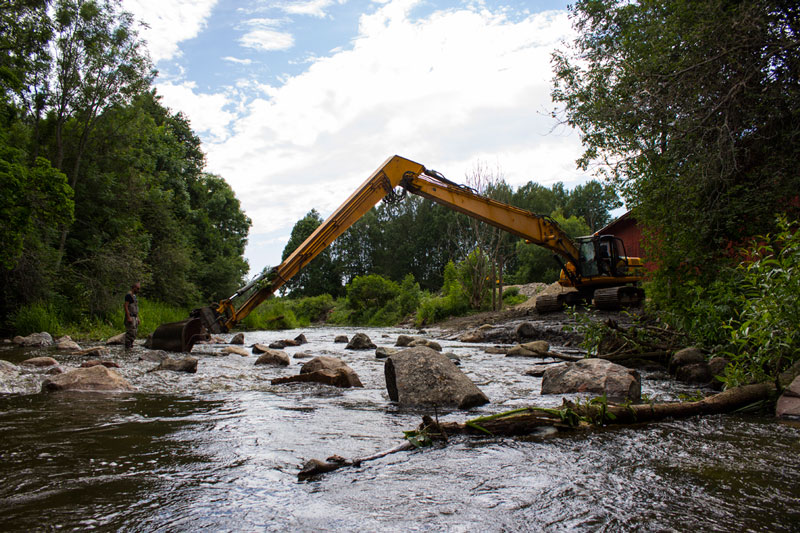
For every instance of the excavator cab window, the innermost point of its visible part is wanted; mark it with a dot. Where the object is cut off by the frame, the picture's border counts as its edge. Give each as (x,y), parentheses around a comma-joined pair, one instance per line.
(588,259)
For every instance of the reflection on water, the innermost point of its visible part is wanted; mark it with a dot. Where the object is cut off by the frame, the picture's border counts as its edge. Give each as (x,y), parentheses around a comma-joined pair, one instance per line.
(221,450)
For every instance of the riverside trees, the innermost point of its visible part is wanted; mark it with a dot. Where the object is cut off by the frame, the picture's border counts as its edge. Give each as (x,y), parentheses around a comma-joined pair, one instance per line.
(692,110)
(101,183)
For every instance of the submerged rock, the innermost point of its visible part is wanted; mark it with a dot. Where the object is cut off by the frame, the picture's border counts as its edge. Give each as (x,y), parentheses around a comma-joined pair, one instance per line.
(529,349)
(360,341)
(97,351)
(273,357)
(422,376)
(116,339)
(187,364)
(381,352)
(596,376)
(66,344)
(427,343)
(300,340)
(154,356)
(235,349)
(237,339)
(95,362)
(95,379)
(341,339)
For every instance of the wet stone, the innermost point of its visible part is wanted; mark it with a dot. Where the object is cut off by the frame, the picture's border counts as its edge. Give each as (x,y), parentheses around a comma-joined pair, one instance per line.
(360,341)
(273,357)
(40,362)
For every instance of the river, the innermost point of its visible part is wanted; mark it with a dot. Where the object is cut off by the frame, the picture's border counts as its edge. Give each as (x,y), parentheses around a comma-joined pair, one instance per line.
(220,450)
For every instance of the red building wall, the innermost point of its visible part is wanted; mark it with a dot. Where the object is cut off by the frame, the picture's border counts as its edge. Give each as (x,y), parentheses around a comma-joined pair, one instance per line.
(627,229)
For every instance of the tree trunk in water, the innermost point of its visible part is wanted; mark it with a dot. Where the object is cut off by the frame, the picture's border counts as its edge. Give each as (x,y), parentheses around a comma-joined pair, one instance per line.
(570,416)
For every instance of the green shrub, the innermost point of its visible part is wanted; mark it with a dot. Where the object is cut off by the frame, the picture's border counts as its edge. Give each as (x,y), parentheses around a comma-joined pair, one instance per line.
(36,318)
(452,302)
(511,296)
(370,292)
(313,308)
(765,336)
(275,314)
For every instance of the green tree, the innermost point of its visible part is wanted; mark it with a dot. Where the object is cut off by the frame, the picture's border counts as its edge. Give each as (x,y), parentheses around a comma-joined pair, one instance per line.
(593,202)
(692,109)
(100,62)
(320,276)
(536,263)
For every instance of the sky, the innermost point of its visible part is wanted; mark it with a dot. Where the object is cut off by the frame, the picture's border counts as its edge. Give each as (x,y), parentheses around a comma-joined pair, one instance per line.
(298,102)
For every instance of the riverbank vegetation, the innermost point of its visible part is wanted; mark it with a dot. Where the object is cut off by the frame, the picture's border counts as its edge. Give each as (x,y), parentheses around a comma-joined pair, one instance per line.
(692,111)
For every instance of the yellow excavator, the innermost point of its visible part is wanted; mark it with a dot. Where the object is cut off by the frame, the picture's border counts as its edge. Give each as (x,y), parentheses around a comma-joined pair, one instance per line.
(596,265)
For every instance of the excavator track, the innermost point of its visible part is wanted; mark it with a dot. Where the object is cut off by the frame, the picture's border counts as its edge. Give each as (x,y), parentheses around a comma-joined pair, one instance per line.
(549,303)
(615,298)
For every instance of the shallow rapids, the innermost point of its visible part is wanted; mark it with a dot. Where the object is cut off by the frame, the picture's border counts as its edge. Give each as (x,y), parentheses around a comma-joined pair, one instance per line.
(220,450)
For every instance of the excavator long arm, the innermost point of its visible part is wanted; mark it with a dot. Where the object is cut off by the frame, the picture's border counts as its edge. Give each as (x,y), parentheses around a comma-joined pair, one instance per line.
(398,171)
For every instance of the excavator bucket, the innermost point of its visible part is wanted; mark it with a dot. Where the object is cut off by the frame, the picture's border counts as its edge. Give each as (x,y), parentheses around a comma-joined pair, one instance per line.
(177,336)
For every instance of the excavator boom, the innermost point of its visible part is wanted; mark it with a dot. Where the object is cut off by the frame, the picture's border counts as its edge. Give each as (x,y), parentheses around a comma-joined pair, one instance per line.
(416,179)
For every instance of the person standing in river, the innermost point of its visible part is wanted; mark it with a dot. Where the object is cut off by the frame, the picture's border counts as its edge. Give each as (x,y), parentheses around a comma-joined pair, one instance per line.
(131,308)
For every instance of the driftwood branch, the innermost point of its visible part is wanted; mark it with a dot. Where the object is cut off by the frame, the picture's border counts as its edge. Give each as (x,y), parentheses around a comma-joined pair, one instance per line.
(568,417)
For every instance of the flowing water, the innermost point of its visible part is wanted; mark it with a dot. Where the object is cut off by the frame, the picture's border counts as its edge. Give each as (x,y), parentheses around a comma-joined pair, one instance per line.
(220,450)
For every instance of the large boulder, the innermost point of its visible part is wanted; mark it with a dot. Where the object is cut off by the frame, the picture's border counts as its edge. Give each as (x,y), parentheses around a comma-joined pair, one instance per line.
(94,379)
(360,341)
(343,377)
(789,403)
(596,376)
(322,362)
(187,364)
(38,340)
(273,357)
(422,376)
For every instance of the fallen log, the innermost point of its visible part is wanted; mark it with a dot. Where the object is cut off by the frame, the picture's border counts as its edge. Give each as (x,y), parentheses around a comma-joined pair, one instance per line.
(569,417)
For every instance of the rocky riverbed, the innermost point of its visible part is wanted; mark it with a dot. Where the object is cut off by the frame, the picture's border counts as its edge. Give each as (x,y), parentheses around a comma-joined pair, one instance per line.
(220,448)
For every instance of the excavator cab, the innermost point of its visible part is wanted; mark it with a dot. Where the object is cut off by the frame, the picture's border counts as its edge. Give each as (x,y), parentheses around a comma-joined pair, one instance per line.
(602,255)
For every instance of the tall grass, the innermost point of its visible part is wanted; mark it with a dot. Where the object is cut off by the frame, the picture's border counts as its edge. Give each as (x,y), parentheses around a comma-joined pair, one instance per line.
(47,317)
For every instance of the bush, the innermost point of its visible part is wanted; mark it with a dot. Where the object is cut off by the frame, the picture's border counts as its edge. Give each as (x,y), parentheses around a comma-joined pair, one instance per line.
(36,318)
(511,296)
(313,308)
(273,314)
(764,337)
(370,292)
(452,302)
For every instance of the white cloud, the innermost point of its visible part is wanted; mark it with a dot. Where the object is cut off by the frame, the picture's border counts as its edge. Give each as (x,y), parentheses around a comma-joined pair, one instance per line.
(206,112)
(170,23)
(238,61)
(457,87)
(314,8)
(267,40)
